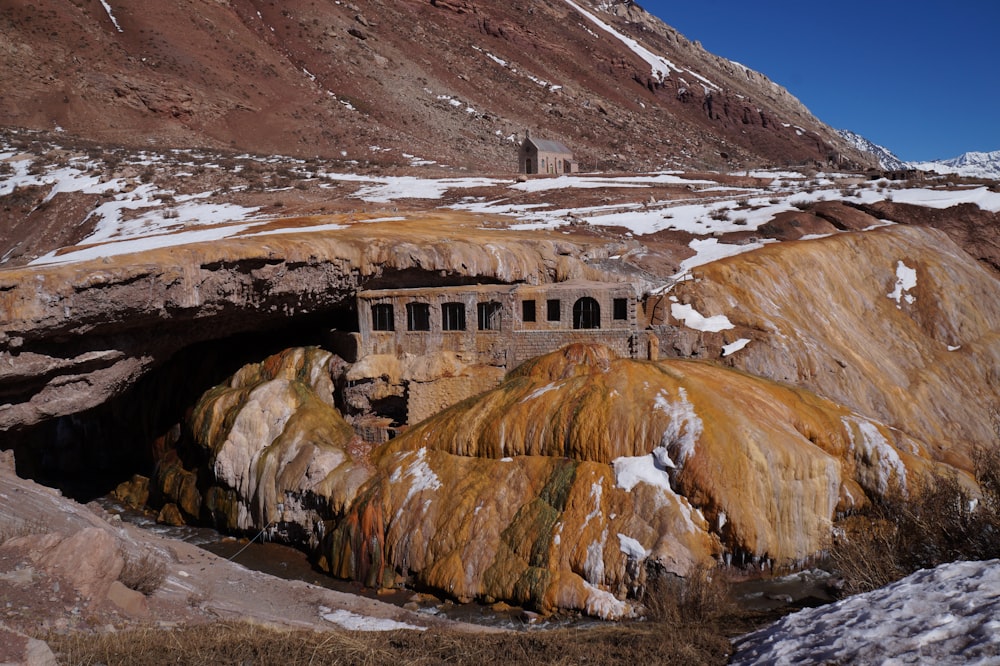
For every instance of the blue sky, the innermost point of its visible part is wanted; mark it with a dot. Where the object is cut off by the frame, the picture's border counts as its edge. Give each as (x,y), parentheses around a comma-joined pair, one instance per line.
(921,78)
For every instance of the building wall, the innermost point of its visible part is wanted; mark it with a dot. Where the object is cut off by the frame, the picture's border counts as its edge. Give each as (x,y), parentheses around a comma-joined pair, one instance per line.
(486,355)
(516,339)
(544,162)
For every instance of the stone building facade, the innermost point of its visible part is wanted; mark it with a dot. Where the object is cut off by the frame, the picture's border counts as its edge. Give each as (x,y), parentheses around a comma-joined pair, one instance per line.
(428,348)
(501,325)
(544,156)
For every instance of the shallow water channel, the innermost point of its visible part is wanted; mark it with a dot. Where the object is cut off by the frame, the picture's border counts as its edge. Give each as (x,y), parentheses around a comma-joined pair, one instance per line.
(289,563)
(777,594)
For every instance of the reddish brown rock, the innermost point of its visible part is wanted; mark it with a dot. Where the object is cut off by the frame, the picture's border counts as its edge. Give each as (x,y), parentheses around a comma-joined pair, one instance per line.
(130,601)
(89,559)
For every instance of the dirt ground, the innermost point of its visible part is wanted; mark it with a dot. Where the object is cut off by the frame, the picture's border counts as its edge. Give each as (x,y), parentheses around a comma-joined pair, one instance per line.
(57,574)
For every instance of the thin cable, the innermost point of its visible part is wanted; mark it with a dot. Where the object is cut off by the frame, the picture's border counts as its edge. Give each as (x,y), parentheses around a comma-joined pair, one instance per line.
(250,542)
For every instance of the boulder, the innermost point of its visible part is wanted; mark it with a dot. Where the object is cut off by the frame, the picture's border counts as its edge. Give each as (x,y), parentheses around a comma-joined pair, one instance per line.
(16,648)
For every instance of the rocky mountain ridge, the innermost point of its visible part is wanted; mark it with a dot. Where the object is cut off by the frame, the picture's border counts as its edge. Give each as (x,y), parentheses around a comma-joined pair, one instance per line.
(886,158)
(973,164)
(453,83)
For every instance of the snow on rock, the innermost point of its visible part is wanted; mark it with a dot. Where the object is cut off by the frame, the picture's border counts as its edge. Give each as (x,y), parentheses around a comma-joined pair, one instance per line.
(107,8)
(684,428)
(694,319)
(345,619)
(906,279)
(389,189)
(419,475)
(632,470)
(661,67)
(603,604)
(946,615)
(710,249)
(631,547)
(935,198)
(872,445)
(733,347)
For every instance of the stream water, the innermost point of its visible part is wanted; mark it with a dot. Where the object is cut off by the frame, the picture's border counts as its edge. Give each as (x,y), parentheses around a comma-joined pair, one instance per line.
(778,594)
(292,564)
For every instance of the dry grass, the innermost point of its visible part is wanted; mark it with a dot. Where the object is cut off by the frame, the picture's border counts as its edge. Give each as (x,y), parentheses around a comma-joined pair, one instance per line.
(13,528)
(689,621)
(941,521)
(240,643)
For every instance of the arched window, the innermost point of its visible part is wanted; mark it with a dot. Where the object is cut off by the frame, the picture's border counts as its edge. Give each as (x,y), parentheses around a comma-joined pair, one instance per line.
(586,313)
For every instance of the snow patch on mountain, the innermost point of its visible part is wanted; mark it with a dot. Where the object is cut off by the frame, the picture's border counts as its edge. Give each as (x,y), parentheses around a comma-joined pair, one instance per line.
(886,159)
(971,165)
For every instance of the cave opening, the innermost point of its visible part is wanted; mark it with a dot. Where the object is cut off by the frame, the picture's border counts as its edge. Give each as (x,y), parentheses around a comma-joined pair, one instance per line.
(87,454)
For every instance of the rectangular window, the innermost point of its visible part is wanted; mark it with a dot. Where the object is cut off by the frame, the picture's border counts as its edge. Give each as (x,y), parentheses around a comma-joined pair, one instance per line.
(553,309)
(621,308)
(418,316)
(382,317)
(527,311)
(453,316)
(489,316)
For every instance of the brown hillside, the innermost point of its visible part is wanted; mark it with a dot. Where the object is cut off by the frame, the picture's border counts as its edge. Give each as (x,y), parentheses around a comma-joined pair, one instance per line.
(451,81)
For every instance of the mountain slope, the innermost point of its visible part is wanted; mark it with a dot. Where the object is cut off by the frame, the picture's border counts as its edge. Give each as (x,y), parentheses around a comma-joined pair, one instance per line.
(444,80)
(971,165)
(886,159)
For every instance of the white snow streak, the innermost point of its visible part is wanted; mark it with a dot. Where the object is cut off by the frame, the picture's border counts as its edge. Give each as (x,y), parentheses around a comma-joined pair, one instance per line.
(107,8)
(735,346)
(354,622)
(693,319)
(906,279)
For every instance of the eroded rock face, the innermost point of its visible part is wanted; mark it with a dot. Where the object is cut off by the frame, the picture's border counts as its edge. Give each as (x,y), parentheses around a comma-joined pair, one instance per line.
(73,336)
(563,487)
(582,470)
(279,451)
(898,324)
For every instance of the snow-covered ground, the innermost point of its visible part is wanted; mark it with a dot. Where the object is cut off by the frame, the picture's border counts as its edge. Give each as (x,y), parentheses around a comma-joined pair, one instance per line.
(946,615)
(134,214)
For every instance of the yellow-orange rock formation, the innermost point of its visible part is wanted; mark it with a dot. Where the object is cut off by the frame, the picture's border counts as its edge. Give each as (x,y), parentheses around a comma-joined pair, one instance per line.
(278,448)
(561,485)
(897,323)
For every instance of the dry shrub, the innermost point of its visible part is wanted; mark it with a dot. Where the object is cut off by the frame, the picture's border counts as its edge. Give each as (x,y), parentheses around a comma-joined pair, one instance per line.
(940,521)
(700,598)
(144,574)
(11,529)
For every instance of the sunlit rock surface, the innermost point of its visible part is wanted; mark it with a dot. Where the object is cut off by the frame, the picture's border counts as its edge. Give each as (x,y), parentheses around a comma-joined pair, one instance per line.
(897,323)
(830,371)
(279,451)
(118,317)
(581,467)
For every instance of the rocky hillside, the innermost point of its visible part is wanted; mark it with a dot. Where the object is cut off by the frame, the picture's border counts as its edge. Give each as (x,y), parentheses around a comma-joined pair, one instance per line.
(886,159)
(449,81)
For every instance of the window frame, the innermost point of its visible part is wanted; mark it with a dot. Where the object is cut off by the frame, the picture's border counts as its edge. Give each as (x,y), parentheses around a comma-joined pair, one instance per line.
(619,309)
(418,316)
(529,311)
(586,313)
(489,315)
(453,316)
(383,317)
(553,309)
